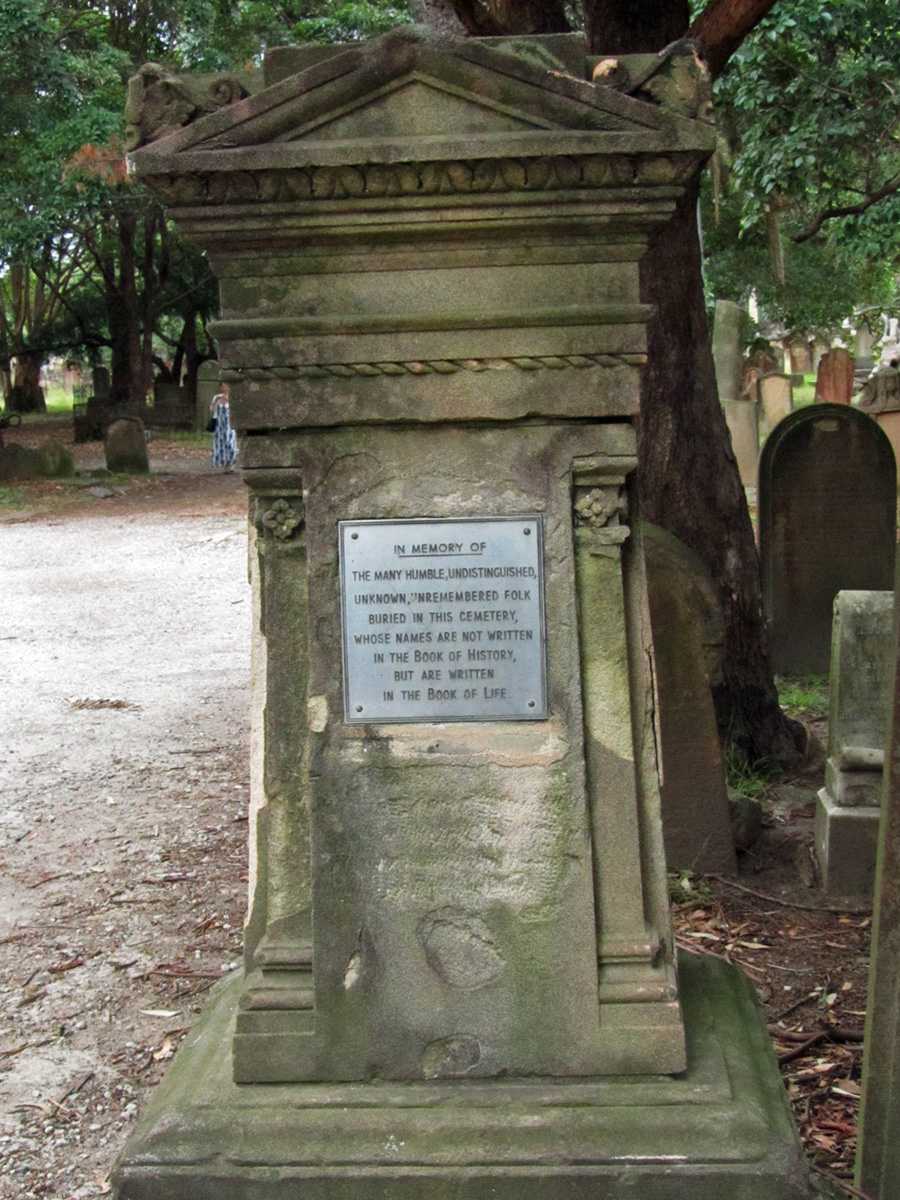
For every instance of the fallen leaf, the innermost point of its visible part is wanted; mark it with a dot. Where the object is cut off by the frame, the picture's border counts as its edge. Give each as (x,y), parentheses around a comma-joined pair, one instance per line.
(166,1050)
(160,1012)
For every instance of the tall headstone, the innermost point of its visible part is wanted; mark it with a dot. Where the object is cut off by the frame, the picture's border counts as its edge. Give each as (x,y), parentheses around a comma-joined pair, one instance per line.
(878,1148)
(799,353)
(776,401)
(728,346)
(847,812)
(459,976)
(742,419)
(834,379)
(827,523)
(688,642)
(100,383)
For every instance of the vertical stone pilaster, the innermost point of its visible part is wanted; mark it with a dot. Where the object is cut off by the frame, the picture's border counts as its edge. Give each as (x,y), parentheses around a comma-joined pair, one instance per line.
(276,1021)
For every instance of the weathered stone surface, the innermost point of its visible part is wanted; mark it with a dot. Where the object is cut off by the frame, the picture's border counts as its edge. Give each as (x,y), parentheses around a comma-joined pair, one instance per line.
(776,401)
(878,1152)
(742,418)
(834,378)
(862,660)
(798,349)
(46,462)
(429,260)
(827,523)
(728,348)
(125,448)
(861,671)
(719,1131)
(688,640)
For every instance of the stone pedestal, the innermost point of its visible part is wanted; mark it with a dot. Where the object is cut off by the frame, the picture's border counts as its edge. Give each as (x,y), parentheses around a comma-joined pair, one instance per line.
(459,970)
(728,348)
(848,810)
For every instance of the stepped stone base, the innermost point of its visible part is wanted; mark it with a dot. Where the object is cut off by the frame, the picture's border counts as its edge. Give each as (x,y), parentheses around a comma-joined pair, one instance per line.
(720,1131)
(846,846)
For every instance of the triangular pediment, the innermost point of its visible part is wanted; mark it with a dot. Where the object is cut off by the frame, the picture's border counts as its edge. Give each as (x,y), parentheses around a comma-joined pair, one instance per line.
(410,94)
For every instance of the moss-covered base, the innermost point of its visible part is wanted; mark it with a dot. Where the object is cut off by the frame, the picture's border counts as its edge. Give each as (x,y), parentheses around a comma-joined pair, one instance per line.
(720,1131)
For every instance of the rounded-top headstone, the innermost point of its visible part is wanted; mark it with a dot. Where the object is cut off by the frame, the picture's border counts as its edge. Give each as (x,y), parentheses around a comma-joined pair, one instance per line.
(125,447)
(827,523)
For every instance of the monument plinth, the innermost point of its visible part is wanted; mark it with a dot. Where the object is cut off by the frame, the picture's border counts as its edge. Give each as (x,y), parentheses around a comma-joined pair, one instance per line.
(431,327)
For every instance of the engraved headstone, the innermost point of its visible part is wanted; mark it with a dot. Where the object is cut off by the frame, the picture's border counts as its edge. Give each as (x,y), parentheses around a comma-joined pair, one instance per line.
(827,523)
(728,330)
(800,354)
(776,401)
(834,380)
(459,965)
(847,812)
(688,642)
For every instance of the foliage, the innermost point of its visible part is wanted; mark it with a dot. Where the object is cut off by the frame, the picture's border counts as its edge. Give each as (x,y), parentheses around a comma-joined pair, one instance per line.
(750,780)
(810,163)
(806,694)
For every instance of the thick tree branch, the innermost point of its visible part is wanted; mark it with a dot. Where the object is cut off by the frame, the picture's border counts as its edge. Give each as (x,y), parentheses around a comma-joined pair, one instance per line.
(847,210)
(723,25)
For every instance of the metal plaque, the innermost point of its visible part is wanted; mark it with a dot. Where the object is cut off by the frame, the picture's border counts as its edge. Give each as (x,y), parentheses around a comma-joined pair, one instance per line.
(443,620)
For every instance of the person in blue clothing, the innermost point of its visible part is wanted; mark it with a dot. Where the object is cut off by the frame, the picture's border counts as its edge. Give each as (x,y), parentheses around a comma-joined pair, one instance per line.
(224,447)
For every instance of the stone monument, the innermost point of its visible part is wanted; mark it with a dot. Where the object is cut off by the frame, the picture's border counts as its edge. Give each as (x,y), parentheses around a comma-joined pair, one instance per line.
(459,974)
(847,812)
(776,401)
(688,640)
(880,398)
(827,523)
(834,377)
(878,1148)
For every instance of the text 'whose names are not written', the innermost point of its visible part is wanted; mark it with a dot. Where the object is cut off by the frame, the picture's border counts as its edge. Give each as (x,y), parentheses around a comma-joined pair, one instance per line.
(443,620)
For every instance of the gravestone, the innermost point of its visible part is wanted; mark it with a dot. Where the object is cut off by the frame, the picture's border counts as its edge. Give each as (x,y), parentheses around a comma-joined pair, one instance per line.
(878,1148)
(172,406)
(776,401)
(688,642)
(459,975)
(728,343)
(742,419)
(125,447)
(208,385)
(100,384)
(834,380)
(798,350)
(827,523)
(847,812)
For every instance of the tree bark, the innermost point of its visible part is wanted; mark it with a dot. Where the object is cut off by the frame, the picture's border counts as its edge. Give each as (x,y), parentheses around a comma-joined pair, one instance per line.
(26,394)
(687,473)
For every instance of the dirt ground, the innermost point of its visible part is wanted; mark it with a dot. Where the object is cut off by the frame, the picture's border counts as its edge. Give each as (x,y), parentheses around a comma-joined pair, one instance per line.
(124,658)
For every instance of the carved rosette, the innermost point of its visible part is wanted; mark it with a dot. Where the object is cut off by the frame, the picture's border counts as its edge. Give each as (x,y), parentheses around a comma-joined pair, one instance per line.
(279,518)
(601,507)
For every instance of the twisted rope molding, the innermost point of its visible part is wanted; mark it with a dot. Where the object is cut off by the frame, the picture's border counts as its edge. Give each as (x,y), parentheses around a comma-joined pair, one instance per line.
(434,367)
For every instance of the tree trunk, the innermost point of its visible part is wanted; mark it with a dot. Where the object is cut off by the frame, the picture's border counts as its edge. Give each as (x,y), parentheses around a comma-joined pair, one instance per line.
(687,472)
(689,484)
(26,394)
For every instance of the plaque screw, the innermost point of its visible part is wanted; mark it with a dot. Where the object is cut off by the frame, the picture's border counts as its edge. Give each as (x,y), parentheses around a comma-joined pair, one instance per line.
(354,536)
(531,704)
(526,532)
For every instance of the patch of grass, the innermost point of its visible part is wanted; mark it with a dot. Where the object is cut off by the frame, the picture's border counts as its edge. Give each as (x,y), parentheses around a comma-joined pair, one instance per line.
(750,780)
(10,497)
(803,694)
